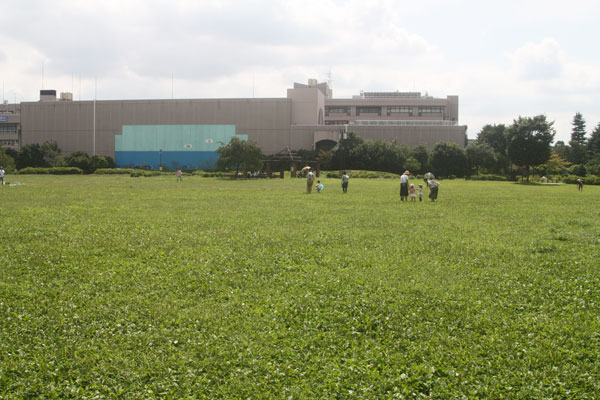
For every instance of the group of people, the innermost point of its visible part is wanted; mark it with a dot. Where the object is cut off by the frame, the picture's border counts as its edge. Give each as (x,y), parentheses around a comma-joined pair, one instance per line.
(310,179)
(406,190)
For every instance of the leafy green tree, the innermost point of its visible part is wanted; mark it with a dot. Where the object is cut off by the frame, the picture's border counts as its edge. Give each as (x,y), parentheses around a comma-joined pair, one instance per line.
(379,155)
(578,132)
(80,159)
(413,165)
(51,154)
(594,142)
(448,159)
(35,155)
(480,155)
(529,141)
(110,161)
(495,136)
(238,153)
(6,160)
(578,153)
(324,157)
(98,161)
(593,165)
(342,152)
(556,164)
(421,154)
(578,170)
(562,149)
(30,155)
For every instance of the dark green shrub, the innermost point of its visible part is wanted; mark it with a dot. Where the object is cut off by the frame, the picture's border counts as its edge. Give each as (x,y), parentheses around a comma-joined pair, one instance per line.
(578,170)
(361,174)
(33,171)
(488,177)
(65,171)
(140,172)
(114,171)
(52,170)
(588,180)
(81,159)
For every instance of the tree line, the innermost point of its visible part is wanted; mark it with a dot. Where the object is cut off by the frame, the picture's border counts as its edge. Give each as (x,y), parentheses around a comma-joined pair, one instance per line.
(48,155)
(522,148)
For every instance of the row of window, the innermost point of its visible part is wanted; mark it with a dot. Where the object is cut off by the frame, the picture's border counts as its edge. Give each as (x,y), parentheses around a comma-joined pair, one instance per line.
(378,110)
(6,142)
(368,110)
(8,129)
(337,110)
(431,109)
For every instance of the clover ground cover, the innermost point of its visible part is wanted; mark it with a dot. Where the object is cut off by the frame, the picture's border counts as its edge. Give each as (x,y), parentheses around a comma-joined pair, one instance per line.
(112,286)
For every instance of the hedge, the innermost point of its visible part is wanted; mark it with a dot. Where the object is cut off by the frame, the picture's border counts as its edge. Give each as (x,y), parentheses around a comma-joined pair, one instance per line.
(140,172)
(488,177)
(362,174)
(52,171)
(114,171)
(588,180)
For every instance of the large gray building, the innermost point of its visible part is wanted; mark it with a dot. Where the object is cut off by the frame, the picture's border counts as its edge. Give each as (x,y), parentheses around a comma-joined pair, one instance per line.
(306,117)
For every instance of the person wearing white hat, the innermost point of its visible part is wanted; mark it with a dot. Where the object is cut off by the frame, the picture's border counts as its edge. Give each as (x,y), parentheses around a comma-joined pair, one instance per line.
(404,186)
(310,178)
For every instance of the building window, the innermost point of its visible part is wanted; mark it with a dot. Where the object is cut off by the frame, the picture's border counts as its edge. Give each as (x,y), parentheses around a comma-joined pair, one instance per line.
(431,110)
(391,110)
(336,122)
(6,142)
(8,129)
(337,110)
(368,110)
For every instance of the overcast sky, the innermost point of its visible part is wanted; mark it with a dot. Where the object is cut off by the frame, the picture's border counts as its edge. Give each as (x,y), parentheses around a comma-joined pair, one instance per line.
(503,59)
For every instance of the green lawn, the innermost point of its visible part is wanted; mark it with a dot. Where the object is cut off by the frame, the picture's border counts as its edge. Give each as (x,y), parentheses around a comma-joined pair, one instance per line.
(135,288)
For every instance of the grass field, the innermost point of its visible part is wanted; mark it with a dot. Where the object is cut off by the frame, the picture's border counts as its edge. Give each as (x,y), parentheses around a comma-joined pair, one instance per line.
(134,288)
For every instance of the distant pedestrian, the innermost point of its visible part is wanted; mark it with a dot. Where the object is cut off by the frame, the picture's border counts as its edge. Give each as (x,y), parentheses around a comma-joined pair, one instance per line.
(345,180)
(179,174)
(310,179)
(433,188)
(412,192)
(319,186)
(579,184)
(1,175)
(404,186)
(420,192)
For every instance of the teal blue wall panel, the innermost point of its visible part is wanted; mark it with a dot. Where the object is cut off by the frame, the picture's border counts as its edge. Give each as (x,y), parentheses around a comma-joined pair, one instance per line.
(171,159)
(193,146)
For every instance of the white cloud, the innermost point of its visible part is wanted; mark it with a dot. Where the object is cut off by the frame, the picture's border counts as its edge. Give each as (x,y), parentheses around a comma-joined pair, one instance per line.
(538,61)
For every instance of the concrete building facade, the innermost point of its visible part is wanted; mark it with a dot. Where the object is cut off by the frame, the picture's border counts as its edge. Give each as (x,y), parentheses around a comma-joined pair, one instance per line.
(306,116)
(10,125)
